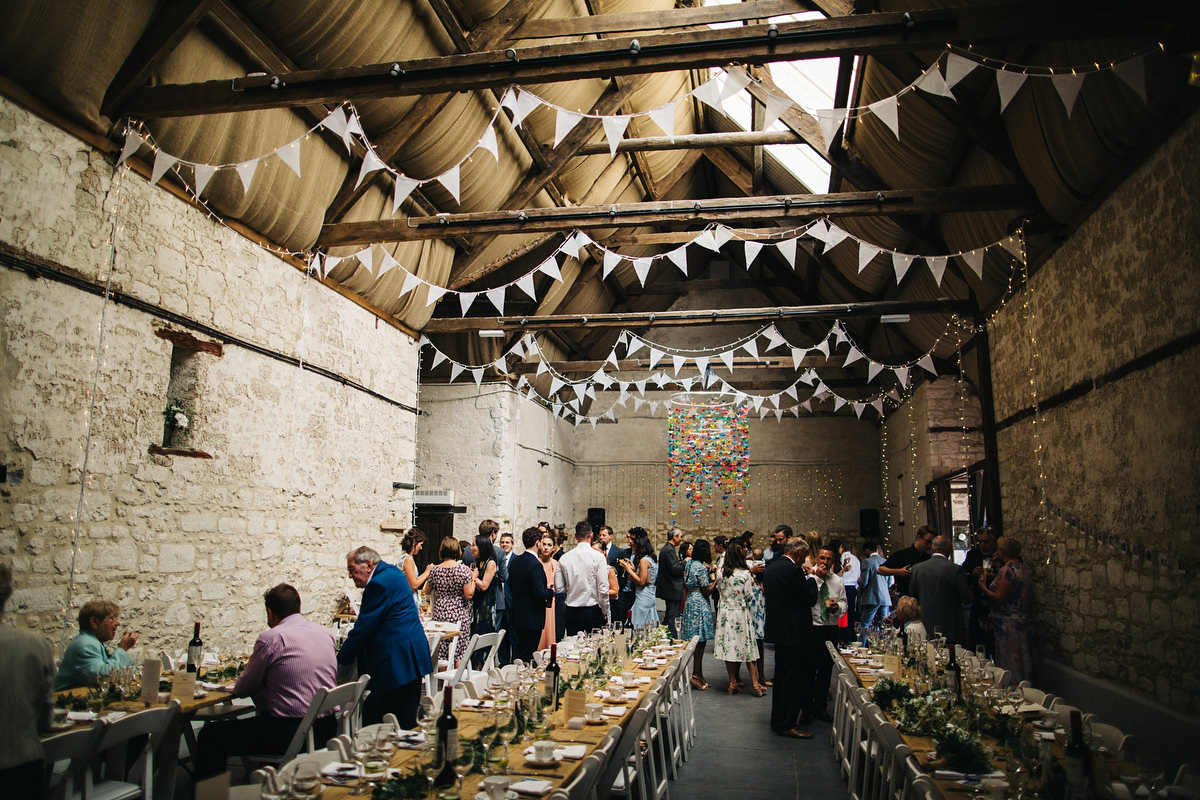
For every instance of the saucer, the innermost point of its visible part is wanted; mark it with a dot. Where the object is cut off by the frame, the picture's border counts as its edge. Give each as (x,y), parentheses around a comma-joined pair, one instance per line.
(533,761)
(509,795)
(594,721)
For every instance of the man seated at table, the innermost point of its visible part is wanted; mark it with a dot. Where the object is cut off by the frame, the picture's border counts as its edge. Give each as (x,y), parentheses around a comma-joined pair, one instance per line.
(87,656)
(292,659)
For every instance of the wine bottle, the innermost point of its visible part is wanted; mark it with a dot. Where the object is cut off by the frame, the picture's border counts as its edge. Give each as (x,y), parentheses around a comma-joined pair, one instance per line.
(954,673)
(1077,758)
(447,740)
(553,673)
(195,651)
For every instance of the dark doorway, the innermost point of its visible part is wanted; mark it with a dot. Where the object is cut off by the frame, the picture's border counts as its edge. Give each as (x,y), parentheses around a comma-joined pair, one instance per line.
(437,522)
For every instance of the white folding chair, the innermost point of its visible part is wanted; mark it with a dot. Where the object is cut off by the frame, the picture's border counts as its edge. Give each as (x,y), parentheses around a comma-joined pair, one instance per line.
(654,736)
(488,643)
(623,771)
(860,744)
(343,701)
(582,783)
(77,749)
(923,788)
(113,782)
(1112,739)
(1034,695)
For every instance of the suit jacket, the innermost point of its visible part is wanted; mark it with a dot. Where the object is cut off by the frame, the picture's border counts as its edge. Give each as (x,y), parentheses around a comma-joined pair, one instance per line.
(504,596)
(25,699)
(941,590)
(530,594)
(615,554)
(790,597)
(669,585)
(387,639)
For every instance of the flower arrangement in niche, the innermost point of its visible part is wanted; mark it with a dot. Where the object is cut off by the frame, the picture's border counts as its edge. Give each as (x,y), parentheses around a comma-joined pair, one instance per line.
(177,416)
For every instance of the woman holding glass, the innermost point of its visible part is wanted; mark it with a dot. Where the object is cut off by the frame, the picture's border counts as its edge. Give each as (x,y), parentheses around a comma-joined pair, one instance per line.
(412,544)
(451,587)
(642,569)
(736,642)
(1011,597)
(697,620)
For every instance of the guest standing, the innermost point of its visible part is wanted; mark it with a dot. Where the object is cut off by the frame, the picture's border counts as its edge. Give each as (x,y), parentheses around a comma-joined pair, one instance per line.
(86,656)
(849,570)
(830,605)
(583,575)
(547,547)
(642,571)
(27,668)
(734,636)
(485,601)
(411,545)
(504,598)
(790,595)
(940,588)
(532,593)
(292,659)
(387,640)
(697,619)
(975,563)
(874,599)
(900,563)
(1011,594)
(451,586)
(669,583)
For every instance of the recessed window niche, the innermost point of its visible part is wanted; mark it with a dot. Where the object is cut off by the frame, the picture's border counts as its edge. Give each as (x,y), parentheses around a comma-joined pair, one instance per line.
(184,392)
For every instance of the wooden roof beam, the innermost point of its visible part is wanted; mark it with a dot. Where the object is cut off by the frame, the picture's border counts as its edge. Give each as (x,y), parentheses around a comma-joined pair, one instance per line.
(668,52)
(774,209)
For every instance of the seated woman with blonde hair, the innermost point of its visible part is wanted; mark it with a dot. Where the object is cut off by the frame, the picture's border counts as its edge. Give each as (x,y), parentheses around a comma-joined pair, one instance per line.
(907,617)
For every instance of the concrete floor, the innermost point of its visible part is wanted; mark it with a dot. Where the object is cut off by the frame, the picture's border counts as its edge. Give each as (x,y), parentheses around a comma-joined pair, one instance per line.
(736,756)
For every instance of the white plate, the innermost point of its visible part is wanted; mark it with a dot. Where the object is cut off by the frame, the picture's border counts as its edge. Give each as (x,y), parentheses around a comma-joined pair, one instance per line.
(509,795)
(537,762)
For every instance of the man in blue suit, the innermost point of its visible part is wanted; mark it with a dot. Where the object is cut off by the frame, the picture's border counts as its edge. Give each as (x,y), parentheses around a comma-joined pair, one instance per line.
(504,599)
(531,597)
(387,640)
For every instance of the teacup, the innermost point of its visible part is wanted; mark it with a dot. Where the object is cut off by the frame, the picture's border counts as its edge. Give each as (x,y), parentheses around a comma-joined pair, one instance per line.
(628,678)
(994,788)
(543,750)
(595,712)
(60,716)
(495,786)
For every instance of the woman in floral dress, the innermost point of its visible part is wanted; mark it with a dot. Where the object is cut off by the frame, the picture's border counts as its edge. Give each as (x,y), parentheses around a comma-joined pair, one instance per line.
(452,587)
(697,620)
(735,634)
(1011,596)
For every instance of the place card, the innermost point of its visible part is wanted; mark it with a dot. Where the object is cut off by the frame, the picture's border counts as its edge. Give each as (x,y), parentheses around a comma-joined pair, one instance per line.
(183,687)
(575,702)
(151,672)
(891,663)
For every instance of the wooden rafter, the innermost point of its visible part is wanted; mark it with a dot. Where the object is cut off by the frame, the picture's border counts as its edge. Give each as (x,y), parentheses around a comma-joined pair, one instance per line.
(554,27)
(668,52)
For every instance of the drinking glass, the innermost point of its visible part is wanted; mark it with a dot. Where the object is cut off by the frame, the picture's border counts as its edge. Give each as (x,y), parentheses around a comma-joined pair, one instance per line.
(104,682)
(462,764)
(430,762)
(306,779)
(364,744)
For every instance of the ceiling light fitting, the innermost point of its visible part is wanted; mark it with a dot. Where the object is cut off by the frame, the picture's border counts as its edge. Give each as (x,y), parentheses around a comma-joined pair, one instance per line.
(892,319)
(491,333)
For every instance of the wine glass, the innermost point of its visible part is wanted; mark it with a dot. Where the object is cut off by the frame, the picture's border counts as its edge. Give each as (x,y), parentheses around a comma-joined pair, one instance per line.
(464,761)
(306,779)
(104,682)
(430,763)
(364,744)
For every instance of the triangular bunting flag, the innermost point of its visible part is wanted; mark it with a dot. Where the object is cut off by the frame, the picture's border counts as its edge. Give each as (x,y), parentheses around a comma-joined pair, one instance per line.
(290,155)
(638,403)
(1133,72)
(937,267)
(727,358)
(366,257)
(203,174)
(701,363)
(389,262)
(888,112)
(434,294)
(410,282)
(610,261)
(642,267)
(839,333)
(900,263)
(133,141)
(756,401)
(556,383)
(787,249)
(655,356)
(477,374)
(818,230)
(831,120)
(496,298)
(901,374)
(926,363)
(807,405)
(751,249)
(456,369)
(721,234)
(1067,85)
(438,357)
(465,299)
(735,80)
(517,350)
(664,118)
(635,344)
(354,124)
(564,121)
(822,347)
(525,284)
(679,258)
(1014,245)
(542,368)
(641,386)
(877,404)
(798,354)
(834,237)
(330,263)
(958,68)
(449,179)
(838,402)
(677,362)
(488,142)
(974,260)
(335,122)
(1008,82)
(854,355)
(858,409)
(773,108)
(709,92)
(550,267)
(402,188)
(614,129)
(874,369)
(370,163)
(706,240)
(163,161)
(931,81)
(865,253)
(751,347)
(524,104)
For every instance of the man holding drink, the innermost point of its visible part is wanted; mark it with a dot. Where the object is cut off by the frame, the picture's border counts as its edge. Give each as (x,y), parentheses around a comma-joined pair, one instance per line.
(830,605)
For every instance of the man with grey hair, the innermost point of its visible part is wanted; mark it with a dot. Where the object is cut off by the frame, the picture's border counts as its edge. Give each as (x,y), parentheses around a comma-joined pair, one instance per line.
(387,640)
(941,589)
(25,702)
(669,584)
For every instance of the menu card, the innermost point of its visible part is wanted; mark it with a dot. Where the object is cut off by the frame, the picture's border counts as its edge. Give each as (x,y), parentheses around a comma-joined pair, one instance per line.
(183,686)
(575,703)
(891,663)
(151,671)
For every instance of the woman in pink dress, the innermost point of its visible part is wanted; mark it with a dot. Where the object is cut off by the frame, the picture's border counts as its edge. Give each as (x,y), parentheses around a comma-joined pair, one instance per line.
(546,551)
(452,586)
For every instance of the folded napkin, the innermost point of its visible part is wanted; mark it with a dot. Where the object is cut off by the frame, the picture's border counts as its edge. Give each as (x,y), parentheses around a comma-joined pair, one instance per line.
(214,687)
(410,740)
(643,679)
(573,752)
(344,771)
(81,716)
(531,786)
(632,694)
(614,711)
(951,775)
(113,716)
(472,702)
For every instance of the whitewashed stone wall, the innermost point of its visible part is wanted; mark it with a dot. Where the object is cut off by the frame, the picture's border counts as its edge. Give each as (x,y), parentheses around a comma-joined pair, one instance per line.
(302,466)
(487,445)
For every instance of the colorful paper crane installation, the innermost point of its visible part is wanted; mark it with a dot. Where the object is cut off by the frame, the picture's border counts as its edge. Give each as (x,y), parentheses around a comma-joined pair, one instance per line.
(708,454)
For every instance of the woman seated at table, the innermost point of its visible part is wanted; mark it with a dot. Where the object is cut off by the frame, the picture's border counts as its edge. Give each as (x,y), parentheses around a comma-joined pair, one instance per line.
(86,656)
(907,618)
(452,587)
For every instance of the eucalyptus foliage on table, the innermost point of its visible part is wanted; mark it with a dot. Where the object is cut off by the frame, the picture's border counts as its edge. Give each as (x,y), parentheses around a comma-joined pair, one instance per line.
(955,728)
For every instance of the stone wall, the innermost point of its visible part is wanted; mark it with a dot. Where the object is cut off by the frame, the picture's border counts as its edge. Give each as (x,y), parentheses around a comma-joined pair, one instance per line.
(504,456)
(810,473)
(302,464)
(1117,456)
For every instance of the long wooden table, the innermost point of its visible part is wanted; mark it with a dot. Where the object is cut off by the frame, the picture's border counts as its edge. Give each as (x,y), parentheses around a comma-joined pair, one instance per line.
(471,720)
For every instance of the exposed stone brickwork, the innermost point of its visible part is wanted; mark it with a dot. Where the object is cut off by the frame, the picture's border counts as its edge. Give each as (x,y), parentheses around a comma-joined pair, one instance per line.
(302,466)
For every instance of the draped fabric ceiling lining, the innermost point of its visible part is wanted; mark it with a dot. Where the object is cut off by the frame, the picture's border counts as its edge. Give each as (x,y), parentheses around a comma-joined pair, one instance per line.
(68,53)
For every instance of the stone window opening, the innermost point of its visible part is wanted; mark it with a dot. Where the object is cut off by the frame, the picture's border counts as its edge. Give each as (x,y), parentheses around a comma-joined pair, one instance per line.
(184,393)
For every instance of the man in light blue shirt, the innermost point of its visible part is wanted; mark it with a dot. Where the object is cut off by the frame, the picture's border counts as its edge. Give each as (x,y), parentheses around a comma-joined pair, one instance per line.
(86,656)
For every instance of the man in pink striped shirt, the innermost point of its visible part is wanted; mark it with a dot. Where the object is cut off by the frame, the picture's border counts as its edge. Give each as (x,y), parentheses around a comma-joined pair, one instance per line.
(292,659)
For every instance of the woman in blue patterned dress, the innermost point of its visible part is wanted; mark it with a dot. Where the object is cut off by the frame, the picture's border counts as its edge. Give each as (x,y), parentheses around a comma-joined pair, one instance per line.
(698,582)
(1011,596)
